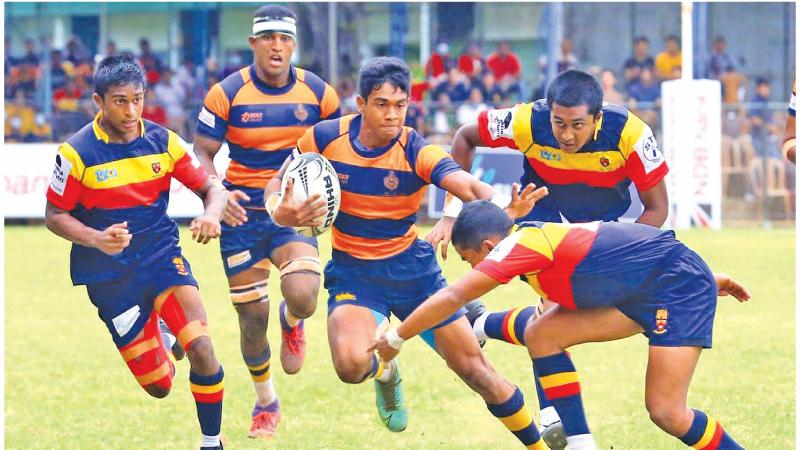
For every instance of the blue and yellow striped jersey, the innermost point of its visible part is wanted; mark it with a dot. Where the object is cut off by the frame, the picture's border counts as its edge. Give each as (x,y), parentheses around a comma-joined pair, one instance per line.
(381,188)
(262,123)
(591,184)
(103,183)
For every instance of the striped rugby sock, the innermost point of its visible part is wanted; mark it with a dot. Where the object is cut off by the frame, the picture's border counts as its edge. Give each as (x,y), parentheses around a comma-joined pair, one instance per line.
(508,326)
(705,433)
(261,374)
(559,383)
(516,416)
(208,391)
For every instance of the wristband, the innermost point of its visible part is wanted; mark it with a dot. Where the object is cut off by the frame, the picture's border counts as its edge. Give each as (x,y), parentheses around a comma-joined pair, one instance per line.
(452,207)
(271,204)
(393,339)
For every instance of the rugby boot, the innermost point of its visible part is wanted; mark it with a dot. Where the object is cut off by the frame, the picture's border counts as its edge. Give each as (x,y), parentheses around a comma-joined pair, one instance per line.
(389,400)
(265,421)
(293,344)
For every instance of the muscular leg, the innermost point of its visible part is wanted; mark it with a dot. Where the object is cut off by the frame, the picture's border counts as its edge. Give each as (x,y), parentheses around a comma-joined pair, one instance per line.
(548,337)
(351,330)
(183,311)
(669,373)
(460,349)
(300,274)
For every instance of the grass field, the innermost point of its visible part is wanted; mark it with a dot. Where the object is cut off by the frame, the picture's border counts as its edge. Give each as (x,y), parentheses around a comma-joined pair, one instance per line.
(67,387)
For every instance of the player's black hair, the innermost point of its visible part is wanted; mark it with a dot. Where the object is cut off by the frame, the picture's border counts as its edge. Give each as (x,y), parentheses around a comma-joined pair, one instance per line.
(380,70)
(574,88)
(275,12)
(478,221)
(674,38)
(118,70)
(641,39)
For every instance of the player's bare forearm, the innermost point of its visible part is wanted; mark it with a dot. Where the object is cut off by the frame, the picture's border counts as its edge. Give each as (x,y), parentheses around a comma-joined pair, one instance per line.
(63,224)
(466,187)
(274,184)
(205,149)
(433,311)
(656,205)
(790,139)
(464,142)
(215,198)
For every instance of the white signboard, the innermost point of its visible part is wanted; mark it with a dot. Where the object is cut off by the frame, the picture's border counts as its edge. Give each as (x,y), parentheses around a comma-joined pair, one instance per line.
(691,114)
(26,174)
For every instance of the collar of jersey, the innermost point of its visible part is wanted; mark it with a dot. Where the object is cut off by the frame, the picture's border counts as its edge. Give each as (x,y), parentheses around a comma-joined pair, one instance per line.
(270,90)
(102,135)
(358,147)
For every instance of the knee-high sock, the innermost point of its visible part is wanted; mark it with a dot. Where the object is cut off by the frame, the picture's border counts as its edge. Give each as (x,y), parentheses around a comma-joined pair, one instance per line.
(516,416)
(507,326)
(261,374)
(559,383)
(207,391)
(706,433)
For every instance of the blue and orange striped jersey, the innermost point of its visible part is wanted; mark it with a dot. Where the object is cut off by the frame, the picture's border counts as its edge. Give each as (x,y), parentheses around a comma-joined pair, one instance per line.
(262,123)
(381,188)
(591,184)
(102,183)
(581,265)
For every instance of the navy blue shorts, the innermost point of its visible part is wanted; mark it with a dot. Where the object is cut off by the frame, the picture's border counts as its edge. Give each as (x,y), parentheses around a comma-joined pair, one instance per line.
(677,306)
(125,304)
(253,241)
(397,285)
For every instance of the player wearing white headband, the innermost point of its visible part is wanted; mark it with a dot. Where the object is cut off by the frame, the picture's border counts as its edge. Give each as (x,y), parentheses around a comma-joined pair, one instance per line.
(261,111)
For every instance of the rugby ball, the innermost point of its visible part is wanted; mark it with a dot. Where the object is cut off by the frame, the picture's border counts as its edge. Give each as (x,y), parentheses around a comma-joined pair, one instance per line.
(313,174)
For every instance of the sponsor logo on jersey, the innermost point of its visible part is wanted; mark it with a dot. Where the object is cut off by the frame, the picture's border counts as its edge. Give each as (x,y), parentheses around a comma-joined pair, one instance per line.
(252,117)
(549,156)
(661,321)
(105,174)
(344,296)
(391,181)
(343,177)
(59,179)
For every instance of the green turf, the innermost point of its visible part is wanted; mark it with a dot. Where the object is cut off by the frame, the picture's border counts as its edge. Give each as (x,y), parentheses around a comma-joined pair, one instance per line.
(67,387)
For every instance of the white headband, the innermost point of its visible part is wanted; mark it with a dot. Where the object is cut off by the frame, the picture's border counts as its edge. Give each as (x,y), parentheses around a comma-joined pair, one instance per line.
(285,25)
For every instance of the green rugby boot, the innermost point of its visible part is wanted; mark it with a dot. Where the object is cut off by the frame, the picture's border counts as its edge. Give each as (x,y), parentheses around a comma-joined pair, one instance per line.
(389,400)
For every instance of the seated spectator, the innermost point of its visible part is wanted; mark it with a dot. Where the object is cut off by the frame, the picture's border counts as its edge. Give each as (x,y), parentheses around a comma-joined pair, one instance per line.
(171,96)
(668,63)
(456,87)
(644,97)
(608,80)
(505,66)
(347,96)
(468,111)
(148,60)
(60,70)
(443,120)
(66,98)
(437,65)
(41,130)
(641,59)
(566,60)
(233,64)
(760,115)
(111,50)
(153,111)
(471,62)
(491,90)
(77,53)
(19,118)
(415,118)
(721,67)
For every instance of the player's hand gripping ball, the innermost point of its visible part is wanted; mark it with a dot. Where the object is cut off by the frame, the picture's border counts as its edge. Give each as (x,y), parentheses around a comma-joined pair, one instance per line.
(313,174)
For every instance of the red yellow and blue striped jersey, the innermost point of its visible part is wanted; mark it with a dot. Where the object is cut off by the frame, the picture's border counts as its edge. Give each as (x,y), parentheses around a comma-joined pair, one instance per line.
(591,184)
(262,123)
(793,101)
(581,265)
(102,183)
(381,188)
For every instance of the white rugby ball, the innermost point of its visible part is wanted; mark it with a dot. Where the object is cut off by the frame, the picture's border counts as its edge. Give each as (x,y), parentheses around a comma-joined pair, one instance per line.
(313,174)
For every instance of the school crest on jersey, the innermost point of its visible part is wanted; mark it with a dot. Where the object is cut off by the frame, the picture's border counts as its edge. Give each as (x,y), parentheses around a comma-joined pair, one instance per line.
(604,162)
(391,181)
(156,166)
(661,321)
(301,113)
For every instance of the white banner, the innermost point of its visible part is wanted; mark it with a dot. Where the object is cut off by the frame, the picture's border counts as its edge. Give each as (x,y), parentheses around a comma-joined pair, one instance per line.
(26,174)
(691,115)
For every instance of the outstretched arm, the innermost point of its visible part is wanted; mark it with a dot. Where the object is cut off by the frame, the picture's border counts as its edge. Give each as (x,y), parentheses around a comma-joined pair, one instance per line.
(433,311)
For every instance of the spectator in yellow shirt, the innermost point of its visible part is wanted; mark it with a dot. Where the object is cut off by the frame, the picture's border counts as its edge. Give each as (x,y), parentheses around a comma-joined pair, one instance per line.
(668,62)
